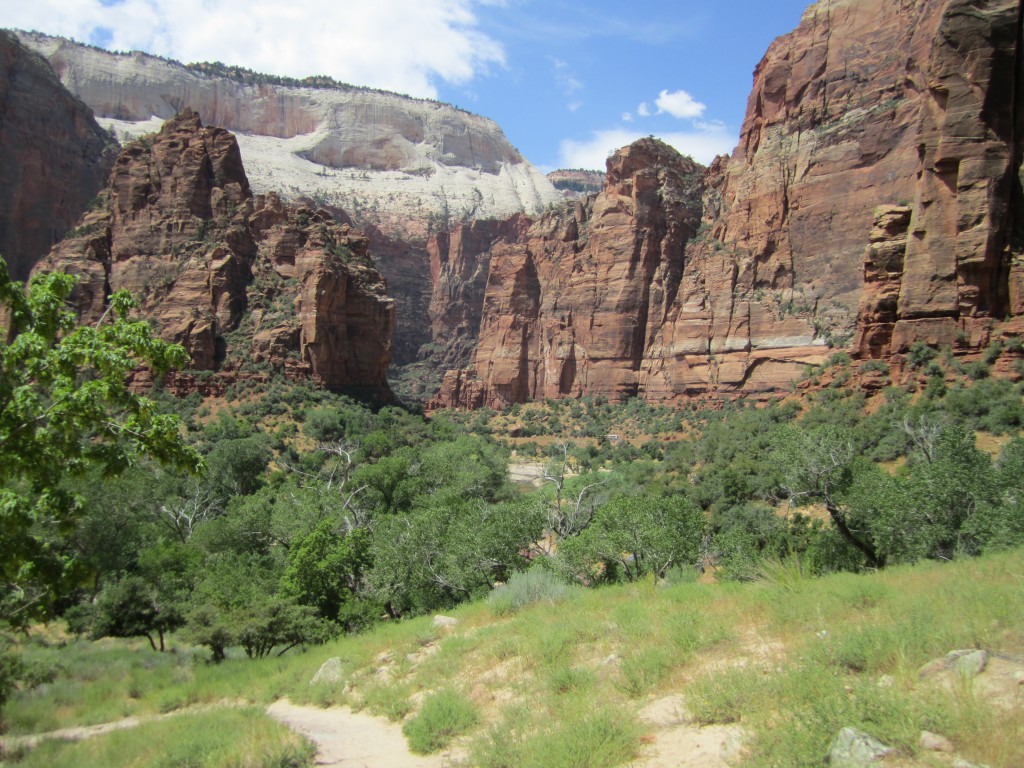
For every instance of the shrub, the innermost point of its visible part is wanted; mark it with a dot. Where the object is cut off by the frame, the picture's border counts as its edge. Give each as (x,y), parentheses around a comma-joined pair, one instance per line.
(977,370)
(526,588)
(919,354)
(444,716)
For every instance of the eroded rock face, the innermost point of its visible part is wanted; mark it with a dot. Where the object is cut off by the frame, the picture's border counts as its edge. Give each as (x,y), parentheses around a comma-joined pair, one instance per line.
(571,304)
(891,127)
(390,160)
(913,106)
(244,283)
(54,158)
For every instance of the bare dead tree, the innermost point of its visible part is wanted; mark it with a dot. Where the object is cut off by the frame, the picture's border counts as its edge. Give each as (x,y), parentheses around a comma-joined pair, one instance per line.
(352,516)
(568,516)
(924,433)
(332,480)
(183,515)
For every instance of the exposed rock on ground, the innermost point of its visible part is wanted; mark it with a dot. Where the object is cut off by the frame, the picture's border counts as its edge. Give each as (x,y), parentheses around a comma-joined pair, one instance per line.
(856,749)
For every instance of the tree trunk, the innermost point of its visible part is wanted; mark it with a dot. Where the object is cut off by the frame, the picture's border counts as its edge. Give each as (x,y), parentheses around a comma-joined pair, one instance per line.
(839,518)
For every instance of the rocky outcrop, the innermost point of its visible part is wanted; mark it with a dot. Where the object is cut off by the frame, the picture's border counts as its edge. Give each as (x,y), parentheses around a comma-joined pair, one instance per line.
(54,158)
(402,164)
(575,183)
(571,305)
(893,127)
(246,284)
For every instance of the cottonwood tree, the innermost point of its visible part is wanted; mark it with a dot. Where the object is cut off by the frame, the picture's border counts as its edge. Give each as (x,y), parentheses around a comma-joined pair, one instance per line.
(818,466)
(635,536)
(65,406)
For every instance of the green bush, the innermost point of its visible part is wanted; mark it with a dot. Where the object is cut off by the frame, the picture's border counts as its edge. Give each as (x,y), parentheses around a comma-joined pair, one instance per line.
(444,716)
(588,739)
(919,355)
(526,588)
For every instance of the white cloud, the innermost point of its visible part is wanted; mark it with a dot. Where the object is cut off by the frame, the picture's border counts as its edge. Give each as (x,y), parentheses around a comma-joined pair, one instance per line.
(702,146)
(627,117)
(400,45)
(679,104)
(644,110)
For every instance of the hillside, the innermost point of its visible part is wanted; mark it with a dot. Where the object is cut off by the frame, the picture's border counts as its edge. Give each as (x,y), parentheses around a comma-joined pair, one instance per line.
(686,674)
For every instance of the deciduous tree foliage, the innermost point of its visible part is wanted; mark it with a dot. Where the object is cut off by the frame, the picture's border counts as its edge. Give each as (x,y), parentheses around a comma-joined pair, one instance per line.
(65,406)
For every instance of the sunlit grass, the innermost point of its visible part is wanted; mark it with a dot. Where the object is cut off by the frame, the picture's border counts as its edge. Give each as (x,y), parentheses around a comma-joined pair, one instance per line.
(241,738)
(561,684)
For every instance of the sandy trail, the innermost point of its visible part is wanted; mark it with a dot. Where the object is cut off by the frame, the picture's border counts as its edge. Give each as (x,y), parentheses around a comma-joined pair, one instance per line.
(351,739)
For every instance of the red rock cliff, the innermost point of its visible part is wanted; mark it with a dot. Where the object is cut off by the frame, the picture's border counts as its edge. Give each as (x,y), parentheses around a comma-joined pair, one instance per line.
(243,282)
(572,302)
(54,158)
(891,127)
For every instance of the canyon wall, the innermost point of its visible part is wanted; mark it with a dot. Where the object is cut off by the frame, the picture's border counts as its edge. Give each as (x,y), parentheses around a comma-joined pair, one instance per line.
(248,284)
(874,198)
(54,158)
(399,157)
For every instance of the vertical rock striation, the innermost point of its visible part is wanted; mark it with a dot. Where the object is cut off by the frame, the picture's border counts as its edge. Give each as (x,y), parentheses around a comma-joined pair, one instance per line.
(890,128)
(572,302)
(242,282)
(54,158)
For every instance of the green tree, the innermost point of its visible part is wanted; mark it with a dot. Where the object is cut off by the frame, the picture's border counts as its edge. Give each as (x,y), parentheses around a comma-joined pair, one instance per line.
(443,554)
(325,570)
(635,536)
(818,465)
(65,406)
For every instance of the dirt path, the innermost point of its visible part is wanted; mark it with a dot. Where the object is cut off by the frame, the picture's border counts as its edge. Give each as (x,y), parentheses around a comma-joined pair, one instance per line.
(351,739)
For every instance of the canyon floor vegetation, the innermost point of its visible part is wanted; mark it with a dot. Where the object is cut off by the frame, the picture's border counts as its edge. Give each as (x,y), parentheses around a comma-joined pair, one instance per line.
(188,554)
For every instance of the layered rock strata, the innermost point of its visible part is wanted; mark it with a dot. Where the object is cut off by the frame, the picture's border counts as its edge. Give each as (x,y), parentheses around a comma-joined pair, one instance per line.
(403,164)
(246,283)
(888,126)
(54,158)
(571,303)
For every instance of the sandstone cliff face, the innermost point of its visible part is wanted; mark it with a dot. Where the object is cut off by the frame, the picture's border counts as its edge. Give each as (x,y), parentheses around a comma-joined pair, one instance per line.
(891,128)
(242,282)
(393,161)
(571,304)
(54,158)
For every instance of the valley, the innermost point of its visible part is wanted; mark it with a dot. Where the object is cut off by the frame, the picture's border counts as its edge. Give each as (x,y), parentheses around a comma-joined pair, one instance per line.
(325,413)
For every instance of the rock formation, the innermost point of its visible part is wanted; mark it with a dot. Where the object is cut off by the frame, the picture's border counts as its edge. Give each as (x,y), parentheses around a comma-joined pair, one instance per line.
(244,283)
(891,128)
(572,302)
(54,158)
(398,162)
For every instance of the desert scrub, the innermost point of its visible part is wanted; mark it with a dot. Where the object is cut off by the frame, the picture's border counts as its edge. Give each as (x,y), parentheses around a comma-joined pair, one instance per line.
(580,738)
(443,716)
(242,738)
(527,588)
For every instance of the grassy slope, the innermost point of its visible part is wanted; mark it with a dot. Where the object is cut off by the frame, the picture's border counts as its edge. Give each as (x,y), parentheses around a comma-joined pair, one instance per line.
(562,685)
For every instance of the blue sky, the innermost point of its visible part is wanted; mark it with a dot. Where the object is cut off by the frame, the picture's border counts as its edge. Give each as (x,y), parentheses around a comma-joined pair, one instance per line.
(567,81)
(576,74)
